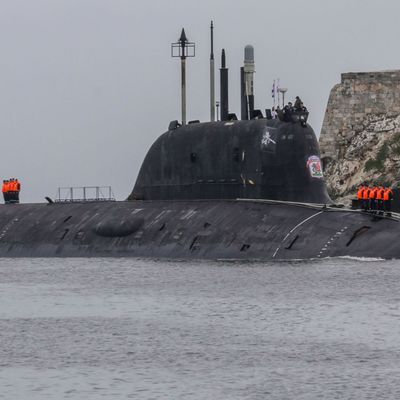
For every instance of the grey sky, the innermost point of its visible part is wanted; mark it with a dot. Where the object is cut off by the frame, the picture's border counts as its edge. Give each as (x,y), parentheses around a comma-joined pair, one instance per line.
(87,85)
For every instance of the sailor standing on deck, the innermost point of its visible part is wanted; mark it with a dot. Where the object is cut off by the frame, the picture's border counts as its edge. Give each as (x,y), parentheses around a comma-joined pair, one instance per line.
(379,198)
(366,198)
(5,191)
(17,190)
(360,195)
(372,198)
(298,105)
(11,190)
(387,199)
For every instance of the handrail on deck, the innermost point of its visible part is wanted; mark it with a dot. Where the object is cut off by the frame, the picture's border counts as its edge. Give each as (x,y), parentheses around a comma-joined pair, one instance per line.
(84,194)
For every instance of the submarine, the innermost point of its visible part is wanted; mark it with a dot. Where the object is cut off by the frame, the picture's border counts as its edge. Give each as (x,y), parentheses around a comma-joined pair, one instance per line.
(248,189)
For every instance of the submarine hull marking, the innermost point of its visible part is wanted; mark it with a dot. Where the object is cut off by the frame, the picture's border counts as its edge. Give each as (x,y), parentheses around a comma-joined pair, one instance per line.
(7,227)
(268,140)
(155,221)
(293,229)
(136,211)
(329,243)
(188,214)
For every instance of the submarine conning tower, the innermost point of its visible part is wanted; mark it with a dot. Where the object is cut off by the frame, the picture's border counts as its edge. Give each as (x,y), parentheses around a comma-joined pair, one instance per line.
(252,159)
(255,158)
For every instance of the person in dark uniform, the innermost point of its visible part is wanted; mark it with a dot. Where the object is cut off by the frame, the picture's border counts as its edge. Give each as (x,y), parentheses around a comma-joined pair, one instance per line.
(298,104)
(286,112)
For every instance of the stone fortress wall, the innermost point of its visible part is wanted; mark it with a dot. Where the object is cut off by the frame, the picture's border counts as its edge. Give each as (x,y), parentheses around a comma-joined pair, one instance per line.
(360,136)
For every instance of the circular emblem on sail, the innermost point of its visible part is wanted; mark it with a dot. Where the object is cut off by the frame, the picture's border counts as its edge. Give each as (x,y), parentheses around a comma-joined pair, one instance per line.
(315,167)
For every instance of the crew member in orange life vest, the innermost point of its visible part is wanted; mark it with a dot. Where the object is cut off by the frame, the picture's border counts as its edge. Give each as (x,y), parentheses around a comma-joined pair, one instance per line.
(379,199)
(387,199)
(17,187)
(372,198)
(5,191)
(366,198)
(360,194)
(11,189)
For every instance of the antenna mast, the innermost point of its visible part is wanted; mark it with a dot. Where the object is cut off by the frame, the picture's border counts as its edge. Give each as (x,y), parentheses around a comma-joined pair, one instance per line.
(183,49)
(212,75)
(224,88)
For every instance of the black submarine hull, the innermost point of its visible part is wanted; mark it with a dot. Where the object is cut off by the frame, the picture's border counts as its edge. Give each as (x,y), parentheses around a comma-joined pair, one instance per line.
(195,229)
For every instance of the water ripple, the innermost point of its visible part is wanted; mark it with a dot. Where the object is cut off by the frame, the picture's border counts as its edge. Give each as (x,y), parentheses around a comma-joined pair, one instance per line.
(142,329)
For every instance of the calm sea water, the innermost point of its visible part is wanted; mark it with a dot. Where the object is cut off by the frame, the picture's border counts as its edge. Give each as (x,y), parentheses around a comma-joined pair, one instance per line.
(140,329)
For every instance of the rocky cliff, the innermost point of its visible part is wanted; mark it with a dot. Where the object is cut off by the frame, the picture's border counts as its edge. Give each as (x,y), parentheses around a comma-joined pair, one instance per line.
(360,136)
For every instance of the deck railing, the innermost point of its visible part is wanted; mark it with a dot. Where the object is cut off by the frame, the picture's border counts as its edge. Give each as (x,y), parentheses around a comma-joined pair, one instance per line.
(80,194)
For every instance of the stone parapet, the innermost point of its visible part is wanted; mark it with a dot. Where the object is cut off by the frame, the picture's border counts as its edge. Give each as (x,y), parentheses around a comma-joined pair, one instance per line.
(371,76)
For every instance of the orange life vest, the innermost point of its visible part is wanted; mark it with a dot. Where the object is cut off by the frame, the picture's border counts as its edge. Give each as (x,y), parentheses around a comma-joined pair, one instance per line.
(366,193)
(379,194)
(388,194)
(360,193)
(17,185)
(372,193)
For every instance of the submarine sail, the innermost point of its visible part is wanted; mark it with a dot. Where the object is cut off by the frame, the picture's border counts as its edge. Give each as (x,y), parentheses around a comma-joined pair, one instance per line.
(257,159)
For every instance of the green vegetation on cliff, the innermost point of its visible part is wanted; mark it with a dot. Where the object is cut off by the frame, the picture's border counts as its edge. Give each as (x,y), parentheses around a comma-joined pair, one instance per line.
(378,163)
(388,148)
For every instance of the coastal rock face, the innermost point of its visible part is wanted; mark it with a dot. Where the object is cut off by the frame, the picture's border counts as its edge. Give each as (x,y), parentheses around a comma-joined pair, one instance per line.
(360,136)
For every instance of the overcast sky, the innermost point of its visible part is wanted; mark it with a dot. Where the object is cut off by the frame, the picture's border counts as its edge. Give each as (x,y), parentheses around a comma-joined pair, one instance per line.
(87,85)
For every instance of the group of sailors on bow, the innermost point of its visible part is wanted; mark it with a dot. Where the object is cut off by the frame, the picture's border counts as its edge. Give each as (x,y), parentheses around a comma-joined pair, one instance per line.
(11,188)
(377,199)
